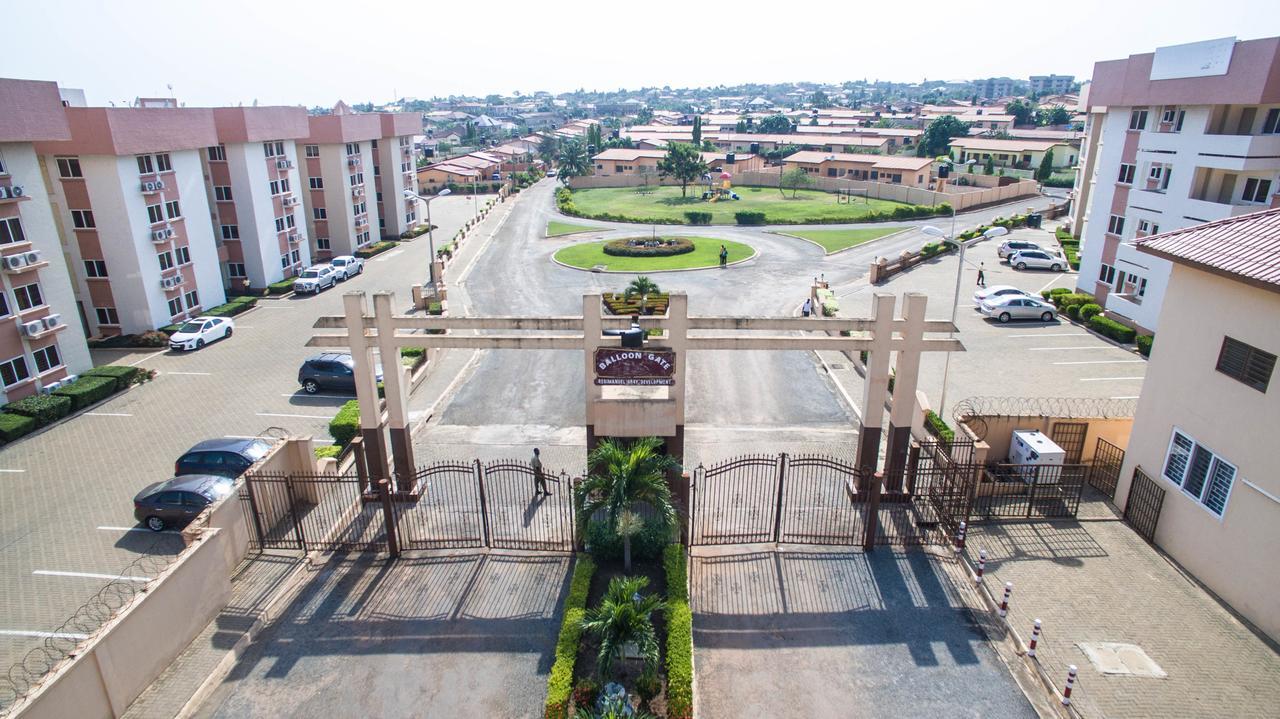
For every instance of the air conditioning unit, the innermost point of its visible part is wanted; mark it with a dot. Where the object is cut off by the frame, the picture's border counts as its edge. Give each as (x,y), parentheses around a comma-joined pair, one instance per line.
(149,187)
(284,164)
(357,192)
(169,233)
(159,184)
(51,321)
(15,262)
(16,191)
(69,379)
(31,329)
(295,238)
(353,161)
(32,257)
(49,388)
(5,193)
(169,283)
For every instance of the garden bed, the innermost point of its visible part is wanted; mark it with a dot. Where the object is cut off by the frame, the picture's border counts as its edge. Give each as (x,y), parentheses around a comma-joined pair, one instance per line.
(705,253)
(648,247)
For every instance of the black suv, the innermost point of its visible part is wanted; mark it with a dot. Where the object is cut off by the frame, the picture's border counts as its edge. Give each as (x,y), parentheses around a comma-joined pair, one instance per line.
(223,457)
(331,370)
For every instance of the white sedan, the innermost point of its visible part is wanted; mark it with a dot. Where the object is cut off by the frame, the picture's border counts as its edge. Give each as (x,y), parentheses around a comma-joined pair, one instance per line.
(347,266)
(1037,259)
(994,291)
(196,333)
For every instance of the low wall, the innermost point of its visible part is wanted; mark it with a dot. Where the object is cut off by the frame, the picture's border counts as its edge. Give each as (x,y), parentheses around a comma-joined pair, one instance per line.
(998,432)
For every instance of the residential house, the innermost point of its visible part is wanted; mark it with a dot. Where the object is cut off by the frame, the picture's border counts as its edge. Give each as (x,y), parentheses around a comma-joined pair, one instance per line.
(1025,154)
(894,169)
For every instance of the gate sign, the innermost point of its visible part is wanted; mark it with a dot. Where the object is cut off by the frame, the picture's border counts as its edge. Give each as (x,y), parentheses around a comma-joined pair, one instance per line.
(634,367)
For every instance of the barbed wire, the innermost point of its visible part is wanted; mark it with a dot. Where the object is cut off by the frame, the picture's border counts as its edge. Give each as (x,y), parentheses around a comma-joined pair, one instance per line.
(972,410)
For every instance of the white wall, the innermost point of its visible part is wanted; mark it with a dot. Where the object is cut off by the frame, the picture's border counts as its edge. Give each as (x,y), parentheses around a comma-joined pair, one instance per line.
(198,228)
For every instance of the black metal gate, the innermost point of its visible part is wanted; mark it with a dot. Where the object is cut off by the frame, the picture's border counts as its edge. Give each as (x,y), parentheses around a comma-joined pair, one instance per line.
(1029,491)
(1142,510)
(737,501)
(1070,437)
(1104,474)
(816,507)
(445,509)
(516,518)
(311,512)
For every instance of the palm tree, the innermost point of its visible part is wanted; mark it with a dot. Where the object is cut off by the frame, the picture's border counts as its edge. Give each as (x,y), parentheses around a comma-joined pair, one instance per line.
(624,617)
(628,476)
(644,287)
(573,160)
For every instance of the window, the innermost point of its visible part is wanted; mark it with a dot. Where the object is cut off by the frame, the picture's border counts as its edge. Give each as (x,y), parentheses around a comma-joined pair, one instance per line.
(165,259)
(13,371)
(269,149)
(145,165)
(154,214)
(322,243)
(379,195)
(1165,178)
(1156,171)
(1107,275)
(312,150)
(284,261)
(1138,119)
(184,255)
(172,209)
(175,306)
(317,183)
(11,231)
(222,193)
(353,148)
(107,316)
(95,268)
(28,296)
(1147,227)
(377,171)
(279,224)
(4,305)
(288,221)
(1246,363)
(1271,125)
(373,144)
(382,224)
(162,163)
(275,187)
(1256,190)
(69,167)
(46,358)
(236,269)
(319,213)
(1116,225)
(1177,125)
(1202,475)
(296,256)
(192,299)
(82,219)
(1169,114)
(218,153)
(230,232)
(2,170)
(284,185)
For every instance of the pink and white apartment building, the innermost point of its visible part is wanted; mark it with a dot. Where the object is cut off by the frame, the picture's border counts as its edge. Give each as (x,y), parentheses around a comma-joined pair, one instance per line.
(41,343)
(1185,135)
(254,186)
(395,171)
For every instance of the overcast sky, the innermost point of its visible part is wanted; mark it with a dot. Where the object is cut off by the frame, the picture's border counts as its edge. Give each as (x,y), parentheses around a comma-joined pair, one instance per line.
(316,52)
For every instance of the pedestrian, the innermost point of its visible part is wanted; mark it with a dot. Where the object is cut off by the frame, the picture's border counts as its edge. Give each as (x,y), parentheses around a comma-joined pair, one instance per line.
(982,278)
(808,306)
(724,256)
(539,479)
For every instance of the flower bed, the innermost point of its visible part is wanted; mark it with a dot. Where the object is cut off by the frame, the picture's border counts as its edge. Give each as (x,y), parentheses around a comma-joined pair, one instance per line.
(619,304)
(645,247)
(376,248)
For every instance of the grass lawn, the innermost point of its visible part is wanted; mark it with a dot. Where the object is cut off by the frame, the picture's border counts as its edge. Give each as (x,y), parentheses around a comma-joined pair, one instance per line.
(706,253)
(666,202)
(556,229)
(835,240)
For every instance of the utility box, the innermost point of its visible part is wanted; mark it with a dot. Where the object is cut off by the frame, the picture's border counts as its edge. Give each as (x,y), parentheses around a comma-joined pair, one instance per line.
(1030,450)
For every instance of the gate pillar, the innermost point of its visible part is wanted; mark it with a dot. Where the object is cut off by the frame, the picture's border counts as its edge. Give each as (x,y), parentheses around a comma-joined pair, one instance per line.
(396,383)
(876,388)
(366,385)
(904,390)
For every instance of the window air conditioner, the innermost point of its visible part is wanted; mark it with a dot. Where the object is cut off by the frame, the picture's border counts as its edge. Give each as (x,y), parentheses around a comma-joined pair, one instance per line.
(49,388)
(13,262)
(69,379)
(52,321)
(148,187)
(33,328)
(169,233)
(5,193)
(32,257)
(16,191)
(159,184)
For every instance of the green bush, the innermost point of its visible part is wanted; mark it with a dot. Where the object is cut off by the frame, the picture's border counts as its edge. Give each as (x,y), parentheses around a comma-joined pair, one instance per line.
(1073,311)
(1144,344)
(329,450)
(232,308)
(679,634)
(1067,181)
(124,376)
(283,287)
(435,308)
(43,408)
(346,424)
(1065,300)
(1112,329)
(87,390)
(605,545)
(749,217)
(376,248)
(560,682)
(412,351)
(939,427)
(153,338)
(668,247)
(13,426)
(698,218)
(1088,310)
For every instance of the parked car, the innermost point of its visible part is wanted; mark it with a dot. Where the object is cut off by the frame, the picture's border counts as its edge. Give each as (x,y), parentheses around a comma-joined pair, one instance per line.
(196,333)
(551,173)
(316,278)
(226,457)
(331,370)
(1009,247)
(347,266)
(1013,307)
(175,502)
(994,291)
(1037,259)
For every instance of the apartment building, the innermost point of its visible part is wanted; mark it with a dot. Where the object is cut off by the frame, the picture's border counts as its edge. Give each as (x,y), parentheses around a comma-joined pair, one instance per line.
(1184,135)
(1052,84)
(41,342)
(993,88)
(341,215)
(129,190)
(253,185)
(394,171)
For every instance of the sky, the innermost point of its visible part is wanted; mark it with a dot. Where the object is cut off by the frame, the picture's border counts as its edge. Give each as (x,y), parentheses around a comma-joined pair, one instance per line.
(316,52)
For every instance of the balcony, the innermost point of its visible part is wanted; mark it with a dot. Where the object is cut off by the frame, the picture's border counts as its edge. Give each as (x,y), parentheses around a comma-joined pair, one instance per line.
(1238,152)
(1210,210)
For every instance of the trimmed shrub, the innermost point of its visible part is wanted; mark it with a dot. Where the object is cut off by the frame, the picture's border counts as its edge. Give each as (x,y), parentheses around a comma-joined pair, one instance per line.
(232,308)
(1063,301)
(605,545)
(329,450)
(698,218)
(675,564)
(666,247)
(87,390)
(43,408)
(1073,311)
(435,308)
(412,351)
(1144,344)
(679,635)
(124,376)
(13,426)
(560,682)
(376,248)
(346,424)
(1112,329)
(283,287)
(938,427)
(1088,310)
(749,217)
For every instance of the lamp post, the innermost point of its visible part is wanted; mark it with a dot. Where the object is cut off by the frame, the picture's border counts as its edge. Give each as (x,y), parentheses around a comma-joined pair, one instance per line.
(955,302)
(431,237)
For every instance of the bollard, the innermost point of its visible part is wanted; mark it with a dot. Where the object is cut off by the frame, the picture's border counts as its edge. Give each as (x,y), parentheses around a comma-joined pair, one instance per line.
(1004,603)
(1071,682)
(982,565)
(1035,637)
(960,539)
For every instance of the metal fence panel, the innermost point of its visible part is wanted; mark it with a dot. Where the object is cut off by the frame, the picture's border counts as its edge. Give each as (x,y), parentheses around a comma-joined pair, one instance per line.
(1142,510)
(1026,491)
(736,501)
(1105,472)
(444,511)
(517,518)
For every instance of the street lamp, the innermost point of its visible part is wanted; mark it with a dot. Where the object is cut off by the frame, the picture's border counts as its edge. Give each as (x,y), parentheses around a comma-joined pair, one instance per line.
(431,237)
(932,231)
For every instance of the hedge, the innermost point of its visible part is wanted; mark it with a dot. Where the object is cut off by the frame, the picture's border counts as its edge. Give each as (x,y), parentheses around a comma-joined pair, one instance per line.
(435,308)
(667,248)
(346,424)
(1144,344)
(1063,301)
(560,682)
(1112,329)
(87,390)
(698,218)
(605,544)
(939,427)
(679,634)
(232,308)
(329,450)
(283,287)
(13,426)
(1088,310)
(749,217)
(412,351)
(376,248)
(1073,311)
(43,408)
(1049,294)
(124,376)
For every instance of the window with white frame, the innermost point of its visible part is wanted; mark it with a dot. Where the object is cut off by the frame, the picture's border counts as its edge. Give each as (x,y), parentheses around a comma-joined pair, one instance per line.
(28,296)
(284,184)
(279,224)
(162,163)
(1256,190)
(319,213)
(184,254)
(275,187)
(46,358)
(175,306)
(1107,275)
(82,219)
(1271,125)
(69,168)
(284,261)
(353,148)
(4,305)
(322,243)
(3,171)
(13,371)
(236,269)
(192,299)
(1169,114)
(155,214)
(95,268)
(289,221)
(172,209)
(222,193)
(107,315)
(296,256)
(11,231)
(1181,118)
(1138,119)
(311,150)
(165,259)
(1115,225)
(317,183)
(1199,472)
(145,165)
(218,153)
(230,232)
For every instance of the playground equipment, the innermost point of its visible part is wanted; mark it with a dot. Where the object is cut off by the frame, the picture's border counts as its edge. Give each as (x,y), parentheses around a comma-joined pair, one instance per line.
(847,195)
(720,188)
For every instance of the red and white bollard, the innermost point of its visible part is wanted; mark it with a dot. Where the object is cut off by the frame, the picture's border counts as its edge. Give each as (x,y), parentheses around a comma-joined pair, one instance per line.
(982,566)
(1004,603)
(1035,637)
(960,539)
(1071,682)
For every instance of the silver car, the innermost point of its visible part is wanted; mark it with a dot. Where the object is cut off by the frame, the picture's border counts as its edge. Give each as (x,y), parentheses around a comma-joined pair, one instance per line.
(1037,259)
(1010,247)
(1013,307)
(994,291)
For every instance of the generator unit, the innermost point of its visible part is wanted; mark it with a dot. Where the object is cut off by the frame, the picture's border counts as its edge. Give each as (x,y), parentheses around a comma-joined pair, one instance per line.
(1029,450)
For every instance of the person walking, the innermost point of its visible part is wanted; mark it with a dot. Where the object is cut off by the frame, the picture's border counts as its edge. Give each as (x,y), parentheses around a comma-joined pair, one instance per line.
(539,479)
(982,277)
(807,308)
(724,256)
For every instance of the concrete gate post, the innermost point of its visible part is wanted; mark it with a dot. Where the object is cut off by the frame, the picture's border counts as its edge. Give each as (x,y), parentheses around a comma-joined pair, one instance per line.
(396,385)
(876,388)
(366,386)
(904,389)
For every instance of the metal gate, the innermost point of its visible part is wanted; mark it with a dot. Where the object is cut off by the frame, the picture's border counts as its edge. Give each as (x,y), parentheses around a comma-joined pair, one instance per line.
(816,507)
(1070,437)
(737,501)
(517,519)
(445,509)
(1029,491)
(1142,510)
(311,512)
(1104,474)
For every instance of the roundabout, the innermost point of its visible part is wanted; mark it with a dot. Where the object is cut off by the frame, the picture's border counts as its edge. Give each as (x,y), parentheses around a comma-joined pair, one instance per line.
(645,254)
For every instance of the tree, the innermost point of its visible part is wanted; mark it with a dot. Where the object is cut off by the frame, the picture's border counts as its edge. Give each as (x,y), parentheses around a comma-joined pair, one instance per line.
(683,162)
(776,125)
(642,286)
(549,148)
(595,142)
(989,167)
(628,475)
(697,131)
(795,178)
(819,99)
(1056,115)
(741,126)
(624,616)
(1046,167)
(573,160)
(645,116)
(1023,112)
(937,136)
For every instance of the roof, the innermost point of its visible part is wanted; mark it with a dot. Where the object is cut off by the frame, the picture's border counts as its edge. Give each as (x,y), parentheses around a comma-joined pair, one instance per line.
(1244,248)
(880,162)
(625,155)
(982,143)
(31,110)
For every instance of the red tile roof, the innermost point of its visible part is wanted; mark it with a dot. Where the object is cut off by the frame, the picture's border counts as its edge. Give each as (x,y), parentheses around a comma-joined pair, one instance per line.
(1246,248)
